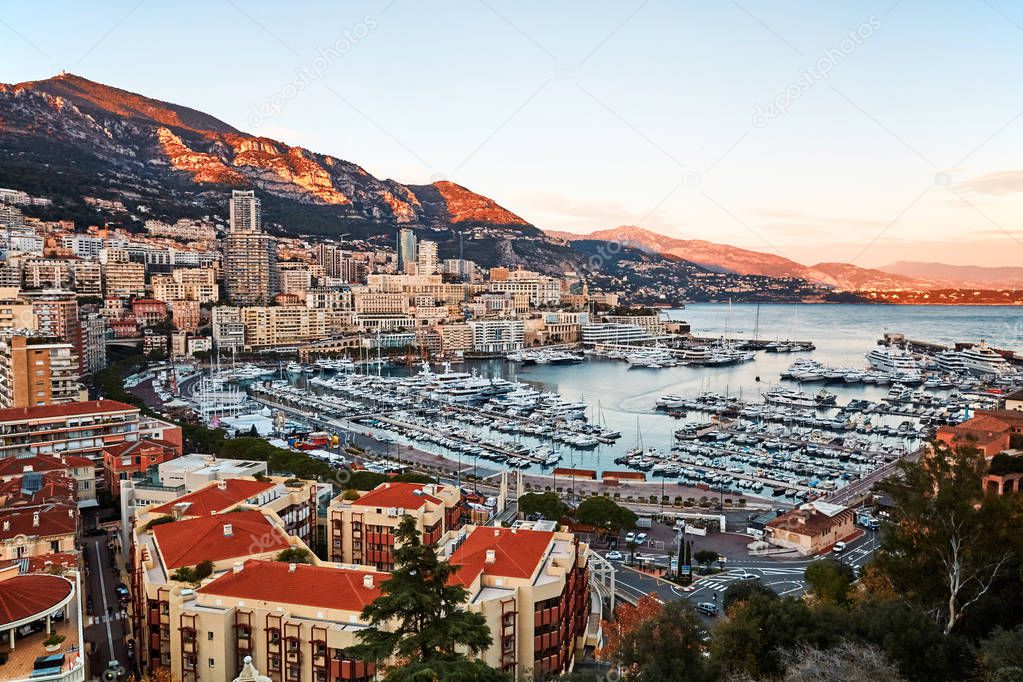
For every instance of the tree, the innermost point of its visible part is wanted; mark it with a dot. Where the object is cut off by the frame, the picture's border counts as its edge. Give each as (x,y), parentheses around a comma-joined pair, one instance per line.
(830,580)
(848,661)
(705,557)
(626,619)
(665,646)
(294,555)
(1002,653)
(547,505)
(420,614)
(603,514)
(742,590)
(194,574)
(753,640)
(950,542)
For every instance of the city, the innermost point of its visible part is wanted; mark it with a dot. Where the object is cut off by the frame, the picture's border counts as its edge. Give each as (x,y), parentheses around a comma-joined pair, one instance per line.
(266,415)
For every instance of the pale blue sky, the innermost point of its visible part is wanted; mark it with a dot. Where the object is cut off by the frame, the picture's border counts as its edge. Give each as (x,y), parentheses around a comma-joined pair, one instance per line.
(584,116)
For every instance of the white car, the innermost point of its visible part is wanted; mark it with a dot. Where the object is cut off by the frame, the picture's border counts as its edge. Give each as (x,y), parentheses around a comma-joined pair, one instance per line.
(631,537)
(838,548)
(641,538)
(613,556)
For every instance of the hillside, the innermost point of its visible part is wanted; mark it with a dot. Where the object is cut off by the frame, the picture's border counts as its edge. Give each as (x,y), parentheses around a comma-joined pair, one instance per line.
(724,258)
(968,275)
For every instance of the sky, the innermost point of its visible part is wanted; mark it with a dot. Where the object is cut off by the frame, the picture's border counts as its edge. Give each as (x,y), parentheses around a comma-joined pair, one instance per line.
(864,132)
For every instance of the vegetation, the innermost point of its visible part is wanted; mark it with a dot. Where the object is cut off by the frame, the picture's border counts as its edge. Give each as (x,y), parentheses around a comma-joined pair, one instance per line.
(294,555)
(705,557)
(666,645)
(830,580)
(548,505)
(605,515)
(420,618)
(194,574)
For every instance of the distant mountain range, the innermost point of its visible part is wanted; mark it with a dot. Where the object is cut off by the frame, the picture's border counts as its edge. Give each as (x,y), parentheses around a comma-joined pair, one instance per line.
(845,276)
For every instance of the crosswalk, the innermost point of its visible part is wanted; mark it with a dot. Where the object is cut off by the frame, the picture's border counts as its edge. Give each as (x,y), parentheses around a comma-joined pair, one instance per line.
(722,581)
(99,620)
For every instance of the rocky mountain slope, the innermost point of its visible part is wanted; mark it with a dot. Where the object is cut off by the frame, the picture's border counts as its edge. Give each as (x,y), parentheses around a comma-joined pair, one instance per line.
(724,258)
(136,146)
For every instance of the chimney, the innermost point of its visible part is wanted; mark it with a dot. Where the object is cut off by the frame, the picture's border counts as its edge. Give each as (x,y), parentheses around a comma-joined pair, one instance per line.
(491,556)
(222,485)
(26,468)
(292,567)
(228,530)
(367,581)
(7,525)
(71,513)
(237,567)
(35,519)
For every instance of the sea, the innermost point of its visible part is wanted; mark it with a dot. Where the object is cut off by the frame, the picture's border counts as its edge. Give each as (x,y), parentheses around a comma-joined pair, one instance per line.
(624,398)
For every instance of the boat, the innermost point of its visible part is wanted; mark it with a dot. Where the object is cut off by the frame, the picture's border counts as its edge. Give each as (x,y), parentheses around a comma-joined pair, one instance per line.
(981,360)
(894,361)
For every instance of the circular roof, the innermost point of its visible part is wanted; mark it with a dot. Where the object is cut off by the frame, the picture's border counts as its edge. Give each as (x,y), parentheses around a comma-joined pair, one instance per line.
(29,597)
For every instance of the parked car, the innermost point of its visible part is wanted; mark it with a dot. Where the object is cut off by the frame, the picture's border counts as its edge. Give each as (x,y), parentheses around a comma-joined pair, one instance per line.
(838,548)
(641,538)
(122,592)
(707,608)
(613,555)
(631,537)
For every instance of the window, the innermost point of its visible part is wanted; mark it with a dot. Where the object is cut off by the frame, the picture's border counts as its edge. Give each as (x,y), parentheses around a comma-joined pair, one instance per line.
(211,660)
(209,636)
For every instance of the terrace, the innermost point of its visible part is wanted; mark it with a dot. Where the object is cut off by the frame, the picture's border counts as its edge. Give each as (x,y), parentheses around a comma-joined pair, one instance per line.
(42,604)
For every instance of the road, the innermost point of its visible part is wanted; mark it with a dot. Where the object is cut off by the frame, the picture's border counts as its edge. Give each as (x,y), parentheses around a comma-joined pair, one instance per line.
(784,576)
(104,631)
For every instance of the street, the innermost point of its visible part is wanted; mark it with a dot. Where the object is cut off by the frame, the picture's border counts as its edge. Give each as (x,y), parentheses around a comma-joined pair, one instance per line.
(105,624)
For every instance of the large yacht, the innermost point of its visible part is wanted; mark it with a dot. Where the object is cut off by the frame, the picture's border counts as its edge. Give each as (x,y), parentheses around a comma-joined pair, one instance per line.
(980,360)
(893,360)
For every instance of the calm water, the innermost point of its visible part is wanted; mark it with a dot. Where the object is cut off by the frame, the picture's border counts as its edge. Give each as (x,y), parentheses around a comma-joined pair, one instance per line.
(624,398)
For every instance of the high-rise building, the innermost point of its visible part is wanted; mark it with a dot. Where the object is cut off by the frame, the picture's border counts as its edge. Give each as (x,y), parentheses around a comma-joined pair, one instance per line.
(250,255)
(57,316)
(245,212)
(426,259)
(38,371)
(406,249)
(94,347)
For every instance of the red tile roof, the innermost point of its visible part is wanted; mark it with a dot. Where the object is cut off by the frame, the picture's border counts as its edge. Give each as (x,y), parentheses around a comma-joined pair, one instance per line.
(15,466)
(127,447)
(14,414)
(54,487)
(191,541)
(23,596)
(42,563)
(54,519)
(394,494)
(518,553)
(319,586)
(212,499)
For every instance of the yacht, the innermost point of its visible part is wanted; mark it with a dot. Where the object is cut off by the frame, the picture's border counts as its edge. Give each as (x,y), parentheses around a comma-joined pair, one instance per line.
(893,360)
(950,361)
(980,360)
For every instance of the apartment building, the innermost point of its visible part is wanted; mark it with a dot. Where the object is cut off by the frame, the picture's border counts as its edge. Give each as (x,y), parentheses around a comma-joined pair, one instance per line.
(124,280)
(81,429)
(535,291)
(497,336)
(38,371)
(87,278)
(228,329)
(285,325)
(125,460)
(185,315)
(193,284)
(362,531)
(46,273)
(15,312)
(531,586)
(149,312)
(164,618)
(37,530)
(81,470)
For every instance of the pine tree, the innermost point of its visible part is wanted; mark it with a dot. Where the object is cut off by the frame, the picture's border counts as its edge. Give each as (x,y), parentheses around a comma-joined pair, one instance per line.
(421,613)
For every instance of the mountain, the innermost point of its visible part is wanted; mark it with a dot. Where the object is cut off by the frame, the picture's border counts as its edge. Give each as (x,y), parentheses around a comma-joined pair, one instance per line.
(966,275)
(109,143)
(724,258)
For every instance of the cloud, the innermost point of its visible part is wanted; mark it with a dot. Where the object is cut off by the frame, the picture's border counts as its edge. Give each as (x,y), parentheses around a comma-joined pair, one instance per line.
(995,184)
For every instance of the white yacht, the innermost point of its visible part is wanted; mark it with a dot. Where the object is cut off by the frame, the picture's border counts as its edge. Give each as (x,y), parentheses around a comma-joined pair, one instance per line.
(980,360)
(893,360)
(950,361)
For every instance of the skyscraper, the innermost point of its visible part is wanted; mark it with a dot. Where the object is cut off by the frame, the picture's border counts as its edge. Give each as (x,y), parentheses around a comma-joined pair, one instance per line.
(245,212)
(406,250)
(250,255)
(427,257)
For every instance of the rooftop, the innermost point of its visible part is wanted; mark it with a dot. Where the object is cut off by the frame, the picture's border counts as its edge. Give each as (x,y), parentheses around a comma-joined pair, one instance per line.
(216,497)
(190,541)
(394,494)
(517,553)
(52,519)
(318,586)
(15,414)
(807,521)
(14,466)
(29,596)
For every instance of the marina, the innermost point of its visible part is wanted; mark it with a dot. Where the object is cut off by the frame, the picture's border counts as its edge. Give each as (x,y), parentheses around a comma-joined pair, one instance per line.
(835,414)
